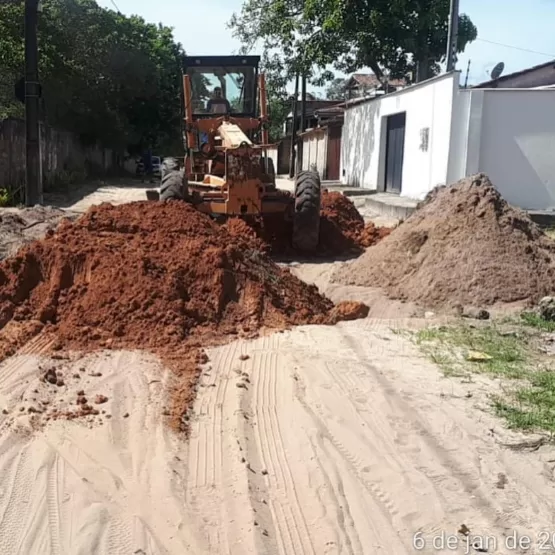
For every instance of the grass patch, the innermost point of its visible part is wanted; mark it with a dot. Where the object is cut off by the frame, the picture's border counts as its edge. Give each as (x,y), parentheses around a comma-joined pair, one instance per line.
(505,354)
(534,320)
(501,351)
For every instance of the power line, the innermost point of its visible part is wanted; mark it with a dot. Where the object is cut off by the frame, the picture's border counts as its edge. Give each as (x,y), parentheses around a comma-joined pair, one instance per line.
(518,48)
(115,6)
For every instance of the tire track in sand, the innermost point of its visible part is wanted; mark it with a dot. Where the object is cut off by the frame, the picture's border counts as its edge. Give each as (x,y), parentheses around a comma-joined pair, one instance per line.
(380,510)
(348,388)
(289,521)
(10,369)
(206,452)
(54,482)
(20,482)
(446,466)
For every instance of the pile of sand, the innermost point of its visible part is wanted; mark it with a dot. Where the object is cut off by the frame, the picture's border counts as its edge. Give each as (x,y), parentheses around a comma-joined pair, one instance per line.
(463,245)
(342,230)
(156,276)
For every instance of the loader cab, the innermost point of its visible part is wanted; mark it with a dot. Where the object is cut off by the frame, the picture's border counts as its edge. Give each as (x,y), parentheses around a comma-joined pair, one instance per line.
(216,79)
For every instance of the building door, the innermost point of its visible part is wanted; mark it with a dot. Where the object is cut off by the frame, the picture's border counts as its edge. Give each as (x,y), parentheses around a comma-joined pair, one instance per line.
(334,152)
(395,148)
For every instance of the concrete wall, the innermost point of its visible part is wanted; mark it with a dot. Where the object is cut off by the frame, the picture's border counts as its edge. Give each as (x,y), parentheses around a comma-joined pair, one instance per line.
(315,151)
(428,106)
(61,151)
(532,78)
(459,142)
(509,134)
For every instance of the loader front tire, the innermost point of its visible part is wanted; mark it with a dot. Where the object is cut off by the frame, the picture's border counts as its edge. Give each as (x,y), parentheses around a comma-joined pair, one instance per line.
(306,218)
(173,184)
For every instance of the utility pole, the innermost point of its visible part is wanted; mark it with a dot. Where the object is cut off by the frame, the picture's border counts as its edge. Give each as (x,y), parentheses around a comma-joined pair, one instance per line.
(467,72)
(452,35)
(294,128)
(33,177)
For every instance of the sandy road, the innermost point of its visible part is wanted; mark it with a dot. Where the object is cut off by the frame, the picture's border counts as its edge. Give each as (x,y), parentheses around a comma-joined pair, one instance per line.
(326,440)
(352,444)
(343,440)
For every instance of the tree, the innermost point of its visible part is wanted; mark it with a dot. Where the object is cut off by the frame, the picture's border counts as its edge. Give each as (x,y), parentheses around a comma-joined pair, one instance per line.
(279,100)
(286,36)
(112,79)
(11,57)
(392,35)
(405,36)
(336,89)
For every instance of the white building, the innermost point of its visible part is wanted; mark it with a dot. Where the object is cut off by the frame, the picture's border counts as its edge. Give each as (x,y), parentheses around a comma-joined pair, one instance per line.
(434,133)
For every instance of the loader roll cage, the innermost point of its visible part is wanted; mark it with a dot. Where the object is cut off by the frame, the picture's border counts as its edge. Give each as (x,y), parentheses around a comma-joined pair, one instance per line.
(220,91)
(236,77)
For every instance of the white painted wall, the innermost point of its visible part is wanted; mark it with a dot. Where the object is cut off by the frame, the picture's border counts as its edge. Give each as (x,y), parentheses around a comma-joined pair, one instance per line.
(315,151)
(459,144)
(517,147)
(273,154)
(427,105)
(509,134)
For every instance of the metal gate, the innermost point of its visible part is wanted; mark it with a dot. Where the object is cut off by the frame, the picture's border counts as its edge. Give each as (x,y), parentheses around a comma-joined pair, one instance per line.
(395,149)
(334,152)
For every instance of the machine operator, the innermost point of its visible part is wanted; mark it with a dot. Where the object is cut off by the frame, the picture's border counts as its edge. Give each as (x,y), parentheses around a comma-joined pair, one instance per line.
(218,104)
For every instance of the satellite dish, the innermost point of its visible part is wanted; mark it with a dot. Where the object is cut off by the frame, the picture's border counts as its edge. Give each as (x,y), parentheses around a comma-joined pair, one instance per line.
(497,70)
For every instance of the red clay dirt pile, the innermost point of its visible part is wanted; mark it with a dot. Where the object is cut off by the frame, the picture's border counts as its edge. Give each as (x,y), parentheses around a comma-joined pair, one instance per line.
(156,276)
(464,245)
(342,229)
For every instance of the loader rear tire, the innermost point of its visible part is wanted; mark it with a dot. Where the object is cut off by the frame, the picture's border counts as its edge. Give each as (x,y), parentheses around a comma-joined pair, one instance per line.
(306,218)
(174,184)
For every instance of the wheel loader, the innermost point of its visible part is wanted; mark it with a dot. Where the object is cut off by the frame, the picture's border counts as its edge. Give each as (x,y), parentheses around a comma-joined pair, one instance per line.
(226,169)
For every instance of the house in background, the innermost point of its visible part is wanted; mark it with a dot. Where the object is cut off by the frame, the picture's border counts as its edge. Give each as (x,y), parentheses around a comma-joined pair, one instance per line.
(312,104)
(435,132)
(322,144)
(542,75)
(367,84)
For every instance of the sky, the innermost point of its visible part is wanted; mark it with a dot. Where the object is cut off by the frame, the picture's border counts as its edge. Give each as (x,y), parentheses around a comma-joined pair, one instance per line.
(522,29)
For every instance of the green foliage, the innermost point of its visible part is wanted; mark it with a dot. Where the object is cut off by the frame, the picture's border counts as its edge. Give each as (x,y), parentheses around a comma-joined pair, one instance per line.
(112,79)
(11,57)
(536,321)
(385,35)
(5,198)
(279,100)
(336,89)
